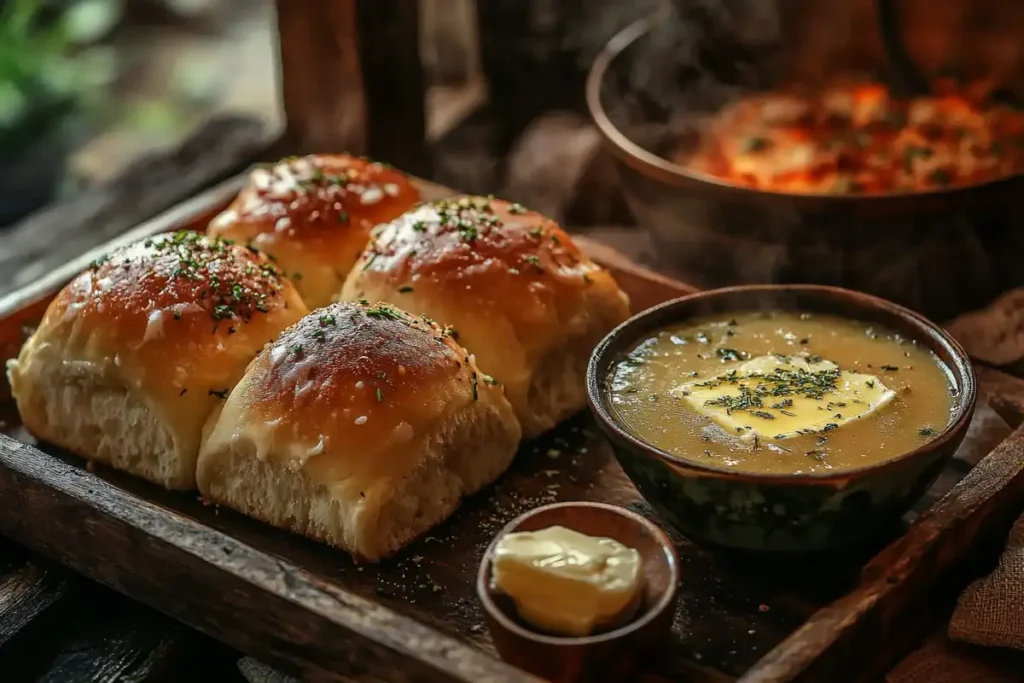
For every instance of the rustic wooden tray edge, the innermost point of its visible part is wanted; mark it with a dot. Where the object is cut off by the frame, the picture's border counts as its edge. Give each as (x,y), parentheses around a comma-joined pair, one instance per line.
(933,545)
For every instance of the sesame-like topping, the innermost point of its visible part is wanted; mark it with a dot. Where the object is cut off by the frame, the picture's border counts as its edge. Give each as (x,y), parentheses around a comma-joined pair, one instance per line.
(232,282)
(368,353)
(328,190)
(469,216)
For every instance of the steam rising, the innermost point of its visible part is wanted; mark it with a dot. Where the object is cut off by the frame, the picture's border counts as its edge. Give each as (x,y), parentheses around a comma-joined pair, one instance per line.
(702,54)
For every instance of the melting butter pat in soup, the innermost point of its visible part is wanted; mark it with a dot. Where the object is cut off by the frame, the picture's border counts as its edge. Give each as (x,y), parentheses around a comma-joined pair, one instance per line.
(782,393)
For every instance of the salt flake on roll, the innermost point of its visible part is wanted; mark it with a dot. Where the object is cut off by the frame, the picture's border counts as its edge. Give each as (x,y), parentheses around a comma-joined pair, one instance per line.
(513,287)
(361,426)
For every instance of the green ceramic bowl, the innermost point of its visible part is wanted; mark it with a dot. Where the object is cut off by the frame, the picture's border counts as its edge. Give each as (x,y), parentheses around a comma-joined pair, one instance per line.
(773,512)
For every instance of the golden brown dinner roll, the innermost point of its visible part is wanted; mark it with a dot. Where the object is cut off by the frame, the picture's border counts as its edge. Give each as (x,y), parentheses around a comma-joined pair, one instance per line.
(361,426)
(516,289)
(132,356)
(313,216)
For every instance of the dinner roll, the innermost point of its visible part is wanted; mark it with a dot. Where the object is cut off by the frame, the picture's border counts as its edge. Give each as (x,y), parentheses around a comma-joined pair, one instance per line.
(361,426)
(132,356)
(313,216)
(518,292)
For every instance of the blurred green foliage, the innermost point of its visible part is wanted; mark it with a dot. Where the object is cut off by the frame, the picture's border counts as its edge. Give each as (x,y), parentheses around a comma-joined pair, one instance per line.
(52,71)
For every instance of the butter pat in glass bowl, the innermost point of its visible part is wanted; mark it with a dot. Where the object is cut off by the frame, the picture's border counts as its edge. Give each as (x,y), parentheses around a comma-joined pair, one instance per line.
(579,591)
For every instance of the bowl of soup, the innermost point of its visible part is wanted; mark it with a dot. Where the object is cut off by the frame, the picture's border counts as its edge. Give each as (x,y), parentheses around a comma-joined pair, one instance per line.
(781,417)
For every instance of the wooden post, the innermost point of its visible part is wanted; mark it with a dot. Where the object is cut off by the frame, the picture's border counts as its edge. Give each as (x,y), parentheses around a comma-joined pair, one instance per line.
(320,77)
(393,83)
(351,79)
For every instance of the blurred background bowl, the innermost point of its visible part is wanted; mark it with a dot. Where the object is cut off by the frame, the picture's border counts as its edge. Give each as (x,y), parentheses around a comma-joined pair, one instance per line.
(939,252)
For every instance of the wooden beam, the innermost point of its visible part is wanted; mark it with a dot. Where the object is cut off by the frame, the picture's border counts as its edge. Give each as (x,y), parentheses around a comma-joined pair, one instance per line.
(320,78)
(394,83)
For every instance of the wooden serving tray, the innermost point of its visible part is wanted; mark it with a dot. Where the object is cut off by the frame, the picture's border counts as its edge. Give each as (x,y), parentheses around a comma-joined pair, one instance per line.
(308,609)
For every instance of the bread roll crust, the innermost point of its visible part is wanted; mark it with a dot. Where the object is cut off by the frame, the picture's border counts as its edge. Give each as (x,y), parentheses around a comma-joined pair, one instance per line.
(313,216)
(157,333)
(361,426)
(517,290)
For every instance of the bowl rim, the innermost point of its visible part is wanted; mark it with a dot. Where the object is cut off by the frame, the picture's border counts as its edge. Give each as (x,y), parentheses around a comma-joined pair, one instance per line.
(665,601)
(662,169)
(961,367)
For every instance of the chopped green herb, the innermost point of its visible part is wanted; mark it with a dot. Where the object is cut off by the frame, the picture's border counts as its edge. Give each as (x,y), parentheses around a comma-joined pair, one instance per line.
(380,395)
(730,354)
(222,311)
(384,311)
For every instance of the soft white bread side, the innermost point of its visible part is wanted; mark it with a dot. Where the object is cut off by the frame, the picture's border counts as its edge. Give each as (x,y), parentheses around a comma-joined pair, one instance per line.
(361,426)
(134,354)
(519,293)
(313,215)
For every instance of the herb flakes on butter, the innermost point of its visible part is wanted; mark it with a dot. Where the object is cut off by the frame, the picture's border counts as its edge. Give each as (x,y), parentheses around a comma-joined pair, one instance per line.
(777,397)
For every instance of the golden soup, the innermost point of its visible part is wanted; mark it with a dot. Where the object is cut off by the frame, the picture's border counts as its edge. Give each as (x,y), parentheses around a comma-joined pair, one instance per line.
(782,393)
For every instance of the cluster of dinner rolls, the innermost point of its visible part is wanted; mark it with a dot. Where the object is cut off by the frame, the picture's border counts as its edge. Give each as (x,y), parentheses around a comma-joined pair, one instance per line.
(195,361)
(135,353)
(512,285)
(312,215)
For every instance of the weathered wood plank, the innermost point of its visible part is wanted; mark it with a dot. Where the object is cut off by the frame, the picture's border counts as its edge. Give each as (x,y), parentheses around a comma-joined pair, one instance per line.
(852,632)
(105,638)
(30,590)
(1004,392)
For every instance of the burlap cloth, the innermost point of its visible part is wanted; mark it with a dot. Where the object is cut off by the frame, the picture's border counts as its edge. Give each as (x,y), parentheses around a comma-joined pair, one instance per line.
(990,613)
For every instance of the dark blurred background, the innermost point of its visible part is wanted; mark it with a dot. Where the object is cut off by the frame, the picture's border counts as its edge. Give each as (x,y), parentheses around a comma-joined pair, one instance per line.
(88,86)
